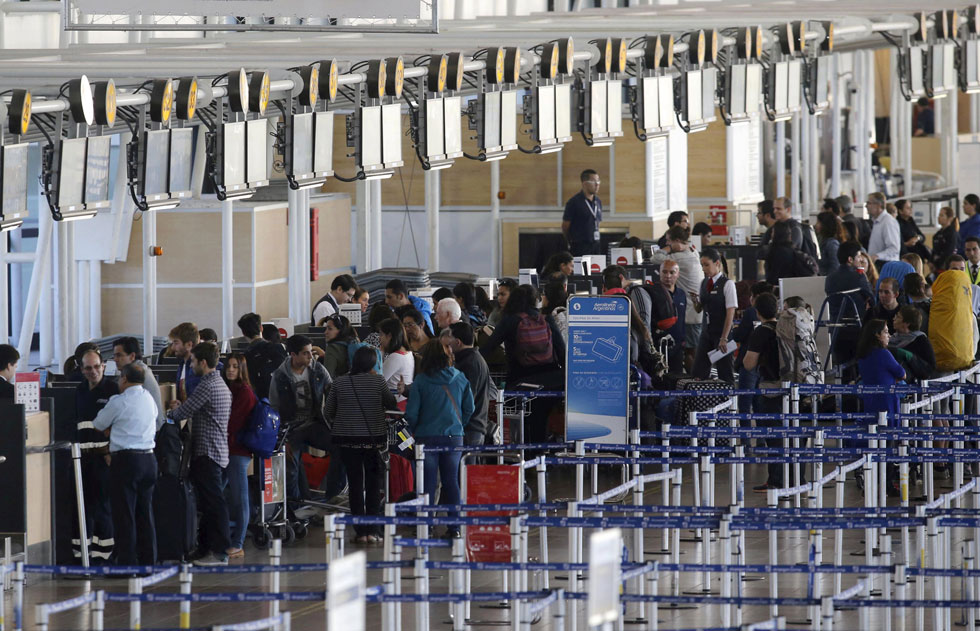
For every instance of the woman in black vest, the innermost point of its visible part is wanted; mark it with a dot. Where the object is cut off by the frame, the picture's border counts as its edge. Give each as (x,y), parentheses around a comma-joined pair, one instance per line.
(717,302)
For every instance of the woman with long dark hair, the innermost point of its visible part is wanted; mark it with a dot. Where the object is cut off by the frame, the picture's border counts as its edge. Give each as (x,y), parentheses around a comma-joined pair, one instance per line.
(465,295)
(558,263)
(830,233)
(355,410)
(338,333)
(439,406)
(947,239)
(553,304)
(877,367)
(243,400)
(399,364)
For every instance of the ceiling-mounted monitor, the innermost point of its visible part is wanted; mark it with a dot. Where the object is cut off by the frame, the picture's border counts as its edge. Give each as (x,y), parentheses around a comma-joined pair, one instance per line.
(818,83)
(914,70)
(71,174)
(391,135)
(551,124)
(257,153)
(181,162)
(299,163)
(970,66)
(97,172)
(323,144)
(794,86)
(743,91)
(13,170)
(497,131)
(156,166)
(656,110)
(942,69)
(233,176)
(369,140)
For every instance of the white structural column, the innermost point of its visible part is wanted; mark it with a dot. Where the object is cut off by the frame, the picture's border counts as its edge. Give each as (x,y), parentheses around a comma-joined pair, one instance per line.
(649,194)
(294,274)
(46,338)
(974,113)
(362,194)
(305,240)
(860,140)
(376,251)
(82,297)
(794,165)
(15,281)
(780,159)
(95,299)
(868,115)
(4,283)
(39,282)
(812,164)
(227,269)
(947,128)
(803,152)
(836,94)
(433,201)
(64,295)
(495,246)
(149,221)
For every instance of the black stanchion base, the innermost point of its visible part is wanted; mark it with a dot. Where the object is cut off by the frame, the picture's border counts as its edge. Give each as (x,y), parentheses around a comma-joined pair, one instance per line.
(799,623)
(637,621)
(675,607)
(486,623)
(749,578)
(701,592)
(502,605)
(662,553)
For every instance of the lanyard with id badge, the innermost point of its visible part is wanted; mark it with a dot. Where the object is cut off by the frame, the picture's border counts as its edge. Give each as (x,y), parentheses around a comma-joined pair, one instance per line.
(595,210)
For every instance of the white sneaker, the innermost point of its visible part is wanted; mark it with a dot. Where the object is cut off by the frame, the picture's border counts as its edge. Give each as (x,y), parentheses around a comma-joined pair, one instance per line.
(212,560)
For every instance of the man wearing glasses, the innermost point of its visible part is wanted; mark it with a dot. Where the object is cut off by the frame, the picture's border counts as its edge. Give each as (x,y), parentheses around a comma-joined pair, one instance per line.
(91,396)
(886,235)
(583,214)
(341,292)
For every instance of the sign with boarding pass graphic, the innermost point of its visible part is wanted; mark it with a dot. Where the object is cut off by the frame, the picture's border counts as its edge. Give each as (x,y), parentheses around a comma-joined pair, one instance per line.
(597,369)
(27,391)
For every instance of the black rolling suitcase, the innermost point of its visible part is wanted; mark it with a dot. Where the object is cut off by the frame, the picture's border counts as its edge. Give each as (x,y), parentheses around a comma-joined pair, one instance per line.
(175,516)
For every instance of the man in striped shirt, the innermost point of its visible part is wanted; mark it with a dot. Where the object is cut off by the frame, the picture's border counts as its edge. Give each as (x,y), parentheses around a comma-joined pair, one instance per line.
(91,396)
(208,407)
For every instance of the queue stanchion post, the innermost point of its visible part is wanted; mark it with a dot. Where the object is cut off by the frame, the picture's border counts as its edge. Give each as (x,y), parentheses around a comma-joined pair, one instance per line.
(76,459)
(275,559)
(870,497)
(794,408)
(186,582)
(692,420)
(41,617)
(638,555)
(422,588)
(515,557)
(958,424)
(98,611)
(772,502)
(928,471)
(838,533)
(665,489)
(18,585)
(920,579)
(574,556)
(388,580)
(965,562)
(903,474)
(786,440)
(932,525)
(135,588)
(457,609)
(816,495)
(970,566)
(886,588)
(901,589)
(725,534)
(827,613)
(542,471)
(653,578)
(675,552)
(882,473)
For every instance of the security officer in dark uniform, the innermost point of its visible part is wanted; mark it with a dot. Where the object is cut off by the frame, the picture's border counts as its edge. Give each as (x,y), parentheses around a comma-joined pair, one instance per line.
(583,214)
(717,302)
(91,396)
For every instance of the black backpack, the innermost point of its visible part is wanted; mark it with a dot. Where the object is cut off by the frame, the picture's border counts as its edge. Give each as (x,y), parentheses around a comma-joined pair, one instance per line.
(663,313)
(804,264)
(263,360)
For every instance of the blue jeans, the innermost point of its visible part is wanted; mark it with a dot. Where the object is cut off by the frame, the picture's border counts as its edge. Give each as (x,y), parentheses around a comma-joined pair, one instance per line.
(238,507)
(747,380)
(442,467)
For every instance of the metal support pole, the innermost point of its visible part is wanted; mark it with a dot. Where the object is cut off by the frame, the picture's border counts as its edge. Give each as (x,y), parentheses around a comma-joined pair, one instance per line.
(780,159)
(149,221)
(649,162)
(185,588)
(375,240)
(294,273)
(39,281)
(836,95)
(801,145)
(4,283)
(76,457)
(227,270)
(433,200)
(495,247)
(275,558)
(362,235)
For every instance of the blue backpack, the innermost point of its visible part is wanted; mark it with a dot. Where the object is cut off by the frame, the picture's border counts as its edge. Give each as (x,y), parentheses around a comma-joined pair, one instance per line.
(260,434)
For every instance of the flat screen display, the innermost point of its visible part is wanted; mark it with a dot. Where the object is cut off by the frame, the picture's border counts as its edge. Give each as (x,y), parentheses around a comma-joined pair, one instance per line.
(14,160)
(323,144)
(454,138)
(793,95)
(156,165)
(391,135)
(736,89)
(614,107)
(780,87)
(508,119)
(546,114)
(97,172)
(371,137)
(233,147)
(969,65)
(949,66)
(709,80)
(435,128)
(302,145)
(491,120)
(181,161)
(916,81)
(694,99)
(597,114)
(820,89)
(258,151)
(753,88)
(71,178)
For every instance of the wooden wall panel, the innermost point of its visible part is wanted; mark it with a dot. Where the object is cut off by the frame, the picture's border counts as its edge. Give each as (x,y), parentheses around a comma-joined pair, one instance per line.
(335,243)
(630,172)
(272,301)
(528,179)
(271,237)
(467,182)
(191,247)
(576,157)
(130,271)
(706,162)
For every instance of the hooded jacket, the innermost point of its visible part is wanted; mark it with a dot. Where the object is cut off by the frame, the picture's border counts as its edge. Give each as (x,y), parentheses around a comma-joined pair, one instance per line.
(431,412)
(282,392)
(425,309)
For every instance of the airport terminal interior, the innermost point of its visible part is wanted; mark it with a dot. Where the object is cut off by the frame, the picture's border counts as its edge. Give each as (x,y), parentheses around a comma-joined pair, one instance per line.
(460,314)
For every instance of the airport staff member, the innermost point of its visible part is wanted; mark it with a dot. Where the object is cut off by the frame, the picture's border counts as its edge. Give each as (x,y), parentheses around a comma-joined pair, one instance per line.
(583,214)
(717,302)
(131,420)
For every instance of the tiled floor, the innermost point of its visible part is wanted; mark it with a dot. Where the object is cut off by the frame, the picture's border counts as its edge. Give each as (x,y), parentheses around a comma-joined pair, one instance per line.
(792,548)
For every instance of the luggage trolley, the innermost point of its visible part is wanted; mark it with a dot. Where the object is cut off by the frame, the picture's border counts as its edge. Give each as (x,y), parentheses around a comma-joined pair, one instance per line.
(273,519)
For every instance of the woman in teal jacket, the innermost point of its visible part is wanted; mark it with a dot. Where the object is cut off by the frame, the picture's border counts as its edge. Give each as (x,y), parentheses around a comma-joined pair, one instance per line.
(439,406)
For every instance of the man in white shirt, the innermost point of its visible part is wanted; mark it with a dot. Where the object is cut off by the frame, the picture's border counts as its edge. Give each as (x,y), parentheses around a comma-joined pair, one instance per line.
(130,418)
(717,300)
(341,292)
(886,235)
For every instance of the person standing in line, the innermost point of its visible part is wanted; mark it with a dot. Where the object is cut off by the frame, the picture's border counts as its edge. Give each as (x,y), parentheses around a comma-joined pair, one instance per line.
(127,350)
(397,296)
(243,401)
(886,236)
(830,231)
(91,396)
(130,417)
(583,216)
(262,356)
(208,407)
(669,274)
(946,240)
(470,362)
(676,218)
(8,368)
(970,227)
(717,302)
(689,279)
(342,290)
(183,338)
(399,363)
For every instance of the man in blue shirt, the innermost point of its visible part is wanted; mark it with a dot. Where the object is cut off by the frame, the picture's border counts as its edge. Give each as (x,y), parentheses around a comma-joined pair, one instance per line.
(583,214)
(849,307)
(131,420)
(969,227)
(183,338)
(669,273)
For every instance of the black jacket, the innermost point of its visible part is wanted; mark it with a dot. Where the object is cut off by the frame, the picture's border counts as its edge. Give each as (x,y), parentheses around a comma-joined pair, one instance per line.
(470,362)
(6,389)
(262,359)
(944,244)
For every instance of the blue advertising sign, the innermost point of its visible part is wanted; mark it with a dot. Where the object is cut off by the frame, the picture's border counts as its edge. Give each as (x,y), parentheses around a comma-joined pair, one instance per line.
(597,369)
